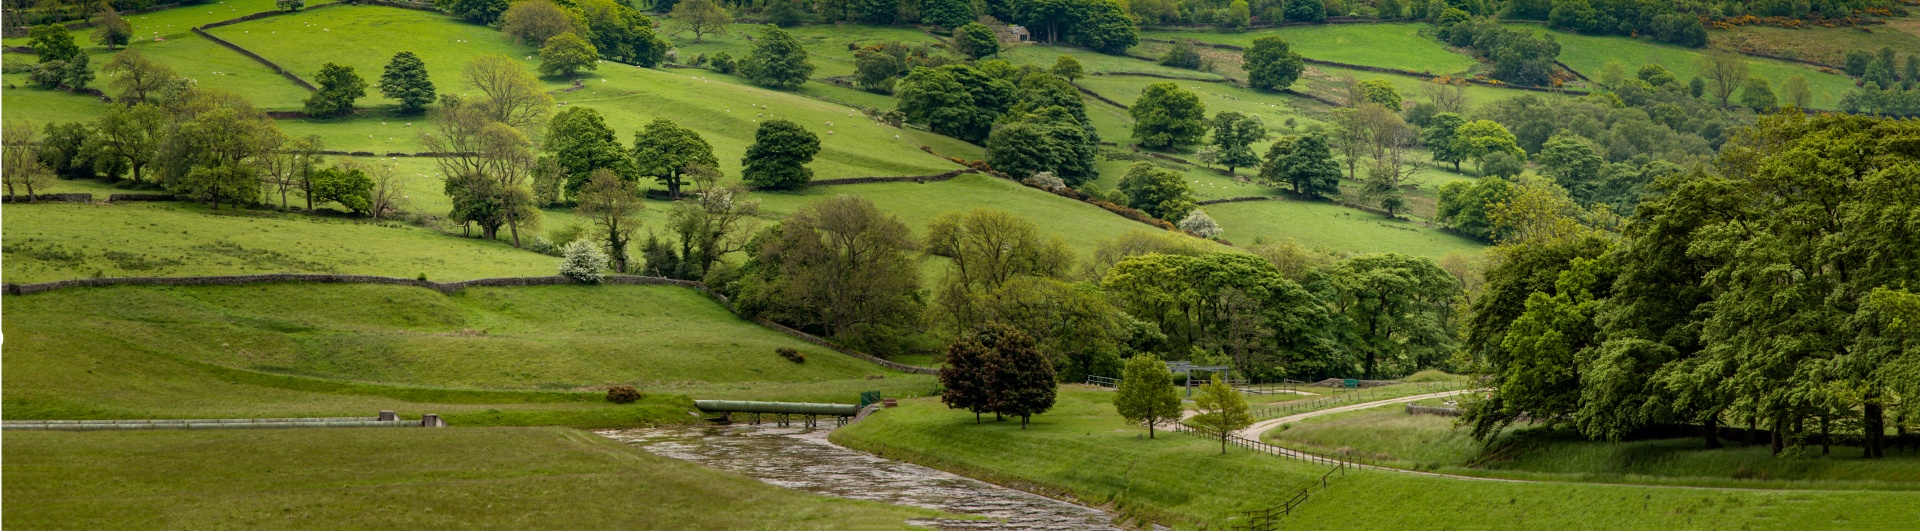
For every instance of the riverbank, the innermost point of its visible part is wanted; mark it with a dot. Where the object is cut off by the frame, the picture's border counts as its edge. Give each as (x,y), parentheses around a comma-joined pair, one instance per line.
(1082,449)
(393,478)
(803,459)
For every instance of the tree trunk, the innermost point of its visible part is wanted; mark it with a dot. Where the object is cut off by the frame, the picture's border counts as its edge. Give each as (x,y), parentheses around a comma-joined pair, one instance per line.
(1752,427)
(1712,429)
(1826,435)
(513,225)
(1873,429)
(1150,423)
(1778,438)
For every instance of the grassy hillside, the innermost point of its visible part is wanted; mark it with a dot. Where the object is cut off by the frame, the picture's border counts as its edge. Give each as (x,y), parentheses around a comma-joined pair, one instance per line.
(1825,45)
(1333,227)
(504,478)
(1390,436)
(293,349)
(1082,448)
(1080,224)
(61,241)
(1398,45)
(1588,54)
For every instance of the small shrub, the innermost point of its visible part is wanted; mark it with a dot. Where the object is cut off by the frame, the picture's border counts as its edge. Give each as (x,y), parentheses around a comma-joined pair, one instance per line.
(542,245)
(722,62)
(791,355)
(622,394)
(583,261)
(1199,223)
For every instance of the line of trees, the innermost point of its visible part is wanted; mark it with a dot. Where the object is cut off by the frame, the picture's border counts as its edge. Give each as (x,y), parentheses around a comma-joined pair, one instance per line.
(1770,289)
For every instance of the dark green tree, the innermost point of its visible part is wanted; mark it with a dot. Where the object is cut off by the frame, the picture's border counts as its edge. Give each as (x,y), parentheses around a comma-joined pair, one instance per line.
(1181,55)
(1049,139)
(1574,163)
(52,42)
(1306,11)
(965,375)
(779,155)
(1271,65)
(1159,192)
(976,40)
(946,13)
(1167,116)
(476,11)
(1020,378)
(956,100)
(109,29)
(567,53)
(1234,135)
(347,185)
(1395,308)
(777,60)
(405,79)
(1438,136)
(1105,27)
(663,150)
(579,140)
(339,88)
(1305,163)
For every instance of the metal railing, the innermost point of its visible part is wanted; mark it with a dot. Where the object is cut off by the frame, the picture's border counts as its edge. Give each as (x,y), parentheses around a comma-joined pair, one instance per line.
(1103,381)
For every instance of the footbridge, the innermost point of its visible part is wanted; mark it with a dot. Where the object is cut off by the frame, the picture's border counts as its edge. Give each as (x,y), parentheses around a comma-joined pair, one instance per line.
(782,412)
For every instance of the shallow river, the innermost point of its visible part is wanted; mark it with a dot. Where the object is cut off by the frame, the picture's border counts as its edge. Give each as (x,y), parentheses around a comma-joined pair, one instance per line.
(801,458)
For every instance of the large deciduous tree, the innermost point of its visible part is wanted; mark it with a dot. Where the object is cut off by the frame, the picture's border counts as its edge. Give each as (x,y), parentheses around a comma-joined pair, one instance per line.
(580,141)
(700,17)
(663,150)
(614,205)
(1234,135)
(779,155)
(839,265)
(1167,116)
(1305,163)
(1146,395)
(777,60)
(534,21)
(339,88)
(567,53)
(1271,64)
(1159,192)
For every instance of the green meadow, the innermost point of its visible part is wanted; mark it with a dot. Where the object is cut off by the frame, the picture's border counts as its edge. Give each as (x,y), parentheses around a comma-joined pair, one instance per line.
(1390,45)
(1081,449)
(275,350)
(1588,54)
(470,478)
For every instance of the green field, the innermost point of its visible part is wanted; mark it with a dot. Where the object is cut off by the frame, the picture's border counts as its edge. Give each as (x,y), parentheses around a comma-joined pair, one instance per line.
(1389,436)
(1398,45)
(486,478)
(571,339)
(60,241)
(1824,45)
(1333,227)
(1588,54)
(1080,224)
(1083,450)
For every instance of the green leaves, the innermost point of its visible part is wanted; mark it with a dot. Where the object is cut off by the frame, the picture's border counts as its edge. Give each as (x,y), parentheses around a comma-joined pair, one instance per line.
(405,79)
(339,88)
(1146,394)
(779,155)
(1167,116)
(777,60)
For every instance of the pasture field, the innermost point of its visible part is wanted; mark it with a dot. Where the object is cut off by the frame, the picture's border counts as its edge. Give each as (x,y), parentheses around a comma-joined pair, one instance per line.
(59,241)
(1823,45)
(826,44)
(1081,225)
(1082,449)
(492,478)
(1094,63)
(1587,54)
(1332,227)
(274,350)
(1391,437)
(1393,45)
(366,37)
